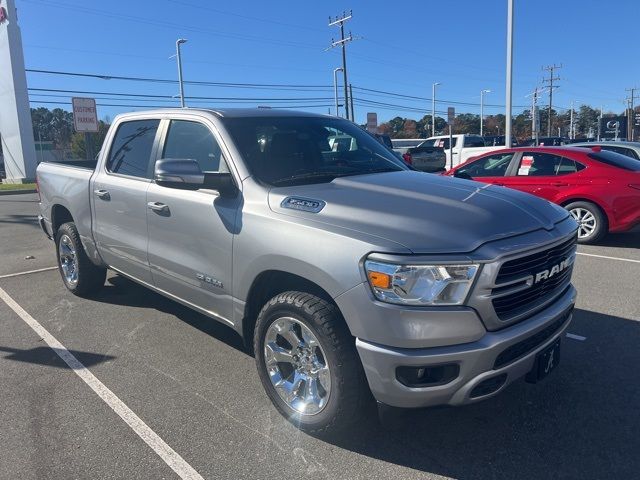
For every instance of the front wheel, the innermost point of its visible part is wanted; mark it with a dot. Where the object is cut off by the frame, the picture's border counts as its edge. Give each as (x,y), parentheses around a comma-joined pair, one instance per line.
(308,364)
(79,274)
(592,224)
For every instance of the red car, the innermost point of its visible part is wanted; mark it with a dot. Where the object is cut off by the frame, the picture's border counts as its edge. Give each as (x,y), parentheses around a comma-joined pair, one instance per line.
(600,188)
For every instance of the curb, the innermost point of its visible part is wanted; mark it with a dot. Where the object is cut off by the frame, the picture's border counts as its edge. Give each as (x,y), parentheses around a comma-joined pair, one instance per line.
(17,192)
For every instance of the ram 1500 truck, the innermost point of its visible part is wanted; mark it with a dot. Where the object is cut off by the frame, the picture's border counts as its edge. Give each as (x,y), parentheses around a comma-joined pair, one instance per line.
(347,273)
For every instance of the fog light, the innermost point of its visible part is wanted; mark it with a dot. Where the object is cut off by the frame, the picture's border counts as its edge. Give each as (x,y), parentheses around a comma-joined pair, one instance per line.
(427,376)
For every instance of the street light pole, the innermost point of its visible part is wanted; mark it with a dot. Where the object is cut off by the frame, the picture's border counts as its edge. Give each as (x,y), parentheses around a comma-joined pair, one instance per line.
(179,42)
(482,92)
(335,88)
(600,122)
(433,108)
(509,80)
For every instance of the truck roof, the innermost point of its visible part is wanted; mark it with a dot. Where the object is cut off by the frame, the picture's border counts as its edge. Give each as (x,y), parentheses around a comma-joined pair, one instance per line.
(228,112)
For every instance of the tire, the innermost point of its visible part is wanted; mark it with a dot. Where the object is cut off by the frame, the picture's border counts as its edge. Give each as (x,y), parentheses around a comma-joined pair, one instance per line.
(592,223)
(79,274)
(345,400)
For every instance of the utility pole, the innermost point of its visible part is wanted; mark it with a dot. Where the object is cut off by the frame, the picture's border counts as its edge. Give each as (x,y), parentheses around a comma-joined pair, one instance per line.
(340,21)
(551,69)
(509,75)
(534,114)
(630,120)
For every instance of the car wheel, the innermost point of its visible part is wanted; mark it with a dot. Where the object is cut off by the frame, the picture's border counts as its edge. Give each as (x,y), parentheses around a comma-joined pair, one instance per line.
(592,223)
(78,273)
(308,364)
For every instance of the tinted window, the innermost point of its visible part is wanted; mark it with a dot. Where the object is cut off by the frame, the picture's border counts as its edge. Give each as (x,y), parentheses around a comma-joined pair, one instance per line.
(296,150)
(491,166)
(474,142)
(616,160)
(621,150)
(131,149)
(193,140)
(405,143)
(537,164)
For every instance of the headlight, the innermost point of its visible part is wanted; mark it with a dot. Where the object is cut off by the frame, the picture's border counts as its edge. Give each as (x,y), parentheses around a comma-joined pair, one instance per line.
(420,284)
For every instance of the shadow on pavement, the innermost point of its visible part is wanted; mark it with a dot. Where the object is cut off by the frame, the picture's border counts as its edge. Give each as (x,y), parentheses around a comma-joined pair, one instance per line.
(623,240)
(15,219)
(121,291)
(582,422)
(49,356)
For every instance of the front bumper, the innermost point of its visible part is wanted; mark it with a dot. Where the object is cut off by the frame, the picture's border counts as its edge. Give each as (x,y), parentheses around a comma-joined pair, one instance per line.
(476,360)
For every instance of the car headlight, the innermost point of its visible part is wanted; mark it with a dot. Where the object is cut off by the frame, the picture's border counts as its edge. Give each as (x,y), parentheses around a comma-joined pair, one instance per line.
(420,284)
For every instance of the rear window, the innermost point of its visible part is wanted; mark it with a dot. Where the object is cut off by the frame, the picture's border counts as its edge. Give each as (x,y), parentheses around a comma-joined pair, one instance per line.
(473,142)
(615,160)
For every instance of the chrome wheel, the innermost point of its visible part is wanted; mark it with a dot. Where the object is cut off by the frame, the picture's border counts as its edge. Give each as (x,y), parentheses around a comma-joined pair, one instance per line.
(297,366)
(68,260)
(587,222)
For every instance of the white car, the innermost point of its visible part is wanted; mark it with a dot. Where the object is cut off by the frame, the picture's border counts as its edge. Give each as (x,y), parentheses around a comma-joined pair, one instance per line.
(463,147)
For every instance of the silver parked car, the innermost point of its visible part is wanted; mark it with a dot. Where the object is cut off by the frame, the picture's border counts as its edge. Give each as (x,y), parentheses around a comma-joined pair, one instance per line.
(630,149)
(347,274)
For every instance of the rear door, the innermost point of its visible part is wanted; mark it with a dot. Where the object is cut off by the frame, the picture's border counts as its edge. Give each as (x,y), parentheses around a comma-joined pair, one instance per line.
(190,240)
(119,197)
(544,174)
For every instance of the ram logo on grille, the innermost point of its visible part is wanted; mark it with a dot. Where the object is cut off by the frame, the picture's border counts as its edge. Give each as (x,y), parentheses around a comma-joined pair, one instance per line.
(554,270)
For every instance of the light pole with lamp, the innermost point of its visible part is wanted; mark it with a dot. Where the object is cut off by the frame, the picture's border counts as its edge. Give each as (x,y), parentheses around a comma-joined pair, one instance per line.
(335,88)
(482,92)
(433,108)
(179,42)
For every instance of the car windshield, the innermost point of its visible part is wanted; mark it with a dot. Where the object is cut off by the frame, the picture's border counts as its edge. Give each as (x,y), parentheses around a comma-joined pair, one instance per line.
(297,150)
(616,160)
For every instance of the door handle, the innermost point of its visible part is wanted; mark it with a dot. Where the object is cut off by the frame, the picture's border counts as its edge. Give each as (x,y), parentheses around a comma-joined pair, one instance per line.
(158,207)
(499,184)
(103,194)
(559,184)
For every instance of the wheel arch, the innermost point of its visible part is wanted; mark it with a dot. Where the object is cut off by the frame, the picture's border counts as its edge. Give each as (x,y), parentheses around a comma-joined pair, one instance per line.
(586,199)
(59,215)
(267,285)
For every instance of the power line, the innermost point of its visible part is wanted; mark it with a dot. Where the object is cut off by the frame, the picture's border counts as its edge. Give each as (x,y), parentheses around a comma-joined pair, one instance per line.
(165,106)
(340,21)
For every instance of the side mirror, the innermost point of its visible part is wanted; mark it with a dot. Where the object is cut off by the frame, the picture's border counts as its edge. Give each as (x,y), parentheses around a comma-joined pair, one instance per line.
(179,173)
(185,174)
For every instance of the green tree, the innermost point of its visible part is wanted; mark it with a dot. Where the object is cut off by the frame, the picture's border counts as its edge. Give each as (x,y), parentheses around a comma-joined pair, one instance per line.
(52,125)
(78,145)
(587,122)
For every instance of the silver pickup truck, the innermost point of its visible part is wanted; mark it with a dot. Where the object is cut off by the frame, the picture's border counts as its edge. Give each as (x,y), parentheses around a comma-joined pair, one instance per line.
(345,272)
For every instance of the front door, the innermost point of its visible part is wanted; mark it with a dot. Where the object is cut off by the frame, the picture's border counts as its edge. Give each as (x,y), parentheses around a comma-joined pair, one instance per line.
(191,238)
(119,198)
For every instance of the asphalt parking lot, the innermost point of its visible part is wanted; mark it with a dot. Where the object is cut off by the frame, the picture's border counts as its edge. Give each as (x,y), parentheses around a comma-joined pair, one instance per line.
(189,381)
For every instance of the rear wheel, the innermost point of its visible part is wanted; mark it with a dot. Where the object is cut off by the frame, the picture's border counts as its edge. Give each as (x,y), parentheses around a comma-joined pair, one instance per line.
(308,363)
(78,273)
(592,224)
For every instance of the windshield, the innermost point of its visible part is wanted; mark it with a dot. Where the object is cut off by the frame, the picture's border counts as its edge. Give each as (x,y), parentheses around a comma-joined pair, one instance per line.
(294,150)
(616,160)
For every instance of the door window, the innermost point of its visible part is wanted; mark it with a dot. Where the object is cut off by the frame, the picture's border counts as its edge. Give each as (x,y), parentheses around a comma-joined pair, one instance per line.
(194,141)
(131,148)
(491,166)
(622,150)
(473,142)
(537,164)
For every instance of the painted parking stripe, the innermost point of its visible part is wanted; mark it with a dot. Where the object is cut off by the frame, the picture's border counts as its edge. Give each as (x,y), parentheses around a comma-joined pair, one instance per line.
(609,258)
(573,336)
(46,269)
(151,438)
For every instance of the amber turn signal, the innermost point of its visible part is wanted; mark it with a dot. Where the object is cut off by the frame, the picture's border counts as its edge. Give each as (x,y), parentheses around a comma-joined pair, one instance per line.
(379,280)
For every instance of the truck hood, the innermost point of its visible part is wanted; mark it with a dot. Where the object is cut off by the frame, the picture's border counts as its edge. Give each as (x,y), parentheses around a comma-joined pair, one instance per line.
(426,213)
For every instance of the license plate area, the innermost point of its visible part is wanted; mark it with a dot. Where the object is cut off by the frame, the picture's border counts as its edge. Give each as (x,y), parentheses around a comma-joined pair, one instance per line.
(546,362)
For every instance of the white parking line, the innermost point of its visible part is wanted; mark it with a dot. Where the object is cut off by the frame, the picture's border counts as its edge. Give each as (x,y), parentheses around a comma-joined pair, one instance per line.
(573,336)
(151,438)
(46,269)
(608,258)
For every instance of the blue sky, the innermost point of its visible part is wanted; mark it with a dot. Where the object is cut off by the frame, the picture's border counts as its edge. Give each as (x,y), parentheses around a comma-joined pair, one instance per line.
(401,47)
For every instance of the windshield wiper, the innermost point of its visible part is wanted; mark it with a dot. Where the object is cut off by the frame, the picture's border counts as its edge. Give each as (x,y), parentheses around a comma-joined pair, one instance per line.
(307,176)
